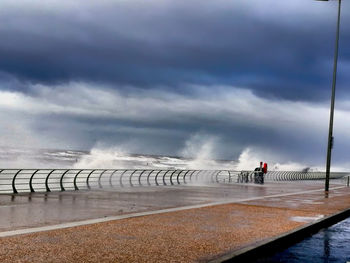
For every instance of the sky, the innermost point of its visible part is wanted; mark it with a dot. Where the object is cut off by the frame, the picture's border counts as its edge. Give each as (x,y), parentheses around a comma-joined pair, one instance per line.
(156,76)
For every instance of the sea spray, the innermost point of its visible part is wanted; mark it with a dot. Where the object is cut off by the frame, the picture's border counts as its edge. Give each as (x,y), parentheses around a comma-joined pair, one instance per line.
(198,155)
(251,157)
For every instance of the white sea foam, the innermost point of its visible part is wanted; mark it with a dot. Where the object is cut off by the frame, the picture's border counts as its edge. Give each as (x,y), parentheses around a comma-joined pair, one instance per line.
(251,157)
(199,153)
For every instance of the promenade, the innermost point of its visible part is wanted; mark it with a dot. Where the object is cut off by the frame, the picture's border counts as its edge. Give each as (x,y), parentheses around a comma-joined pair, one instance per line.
(188,223)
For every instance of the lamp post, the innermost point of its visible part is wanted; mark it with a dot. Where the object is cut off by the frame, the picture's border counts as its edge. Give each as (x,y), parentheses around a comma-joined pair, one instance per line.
(331,117)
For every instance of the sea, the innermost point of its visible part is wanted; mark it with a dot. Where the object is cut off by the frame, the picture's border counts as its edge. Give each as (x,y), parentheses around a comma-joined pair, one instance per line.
(101,158)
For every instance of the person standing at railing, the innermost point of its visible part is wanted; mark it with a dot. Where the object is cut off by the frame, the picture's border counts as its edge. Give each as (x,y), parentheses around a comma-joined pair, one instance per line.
(259,173)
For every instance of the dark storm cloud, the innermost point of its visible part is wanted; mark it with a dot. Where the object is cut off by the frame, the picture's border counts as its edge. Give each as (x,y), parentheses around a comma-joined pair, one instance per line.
(79,116)
(168,43)
(151,75)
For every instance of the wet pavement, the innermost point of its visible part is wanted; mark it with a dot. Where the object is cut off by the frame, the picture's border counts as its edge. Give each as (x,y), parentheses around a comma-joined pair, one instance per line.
(194,235)
(38,209)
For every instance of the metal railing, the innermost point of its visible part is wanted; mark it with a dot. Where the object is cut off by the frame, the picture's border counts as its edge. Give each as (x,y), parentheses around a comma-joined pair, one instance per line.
(248,176)
(294,176)
(47,180)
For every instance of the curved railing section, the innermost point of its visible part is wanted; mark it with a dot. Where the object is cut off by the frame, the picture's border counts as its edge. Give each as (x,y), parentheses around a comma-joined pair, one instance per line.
(293,176)
(248,176)
(47,180)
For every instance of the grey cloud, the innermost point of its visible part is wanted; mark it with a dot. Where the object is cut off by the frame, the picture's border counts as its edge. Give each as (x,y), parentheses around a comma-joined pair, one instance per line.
(151,74)
(273,51)
(161,122)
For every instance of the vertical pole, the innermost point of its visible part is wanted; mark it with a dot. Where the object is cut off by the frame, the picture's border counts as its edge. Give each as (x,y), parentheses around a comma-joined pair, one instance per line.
(330,133)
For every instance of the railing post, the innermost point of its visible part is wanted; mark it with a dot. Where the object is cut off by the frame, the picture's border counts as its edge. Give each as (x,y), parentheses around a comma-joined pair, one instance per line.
(121,178)
(88,177)
(216,176)
(164,176)
(348,181)
(75,180)
(14,190)
(185,176)
(130,177)
(192,174)
(99,178)
(199,172)
(47,181)
(149,174)
(211,177)
(61,181)
(31,182)
(171,177)
(141,175)
(110,177)
(178,175)
(155,178)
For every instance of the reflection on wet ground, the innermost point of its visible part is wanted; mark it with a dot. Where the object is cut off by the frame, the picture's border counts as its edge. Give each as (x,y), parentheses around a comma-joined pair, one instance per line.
(329,245)
(37,209)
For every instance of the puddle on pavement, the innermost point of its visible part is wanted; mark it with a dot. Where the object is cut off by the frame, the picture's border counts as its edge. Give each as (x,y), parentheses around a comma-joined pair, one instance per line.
(306,219)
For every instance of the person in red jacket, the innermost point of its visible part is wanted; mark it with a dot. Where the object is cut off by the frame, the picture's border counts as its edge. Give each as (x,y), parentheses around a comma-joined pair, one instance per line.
(265,168)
